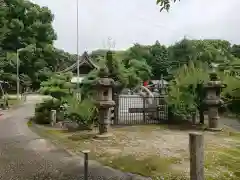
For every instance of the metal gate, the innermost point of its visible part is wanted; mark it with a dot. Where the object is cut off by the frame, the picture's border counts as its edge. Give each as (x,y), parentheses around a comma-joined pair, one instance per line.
(134,109)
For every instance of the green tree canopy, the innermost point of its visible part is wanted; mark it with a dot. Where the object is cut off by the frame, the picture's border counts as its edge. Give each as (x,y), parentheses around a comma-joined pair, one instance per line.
(27,28)
(236,50)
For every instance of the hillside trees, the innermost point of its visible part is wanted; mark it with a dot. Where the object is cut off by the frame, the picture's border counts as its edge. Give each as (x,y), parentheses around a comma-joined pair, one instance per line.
(159,60)
(156,56)
(166,61)
(128,74)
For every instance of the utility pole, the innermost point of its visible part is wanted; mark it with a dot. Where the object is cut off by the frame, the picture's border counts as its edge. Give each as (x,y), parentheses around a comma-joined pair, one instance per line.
(17,75)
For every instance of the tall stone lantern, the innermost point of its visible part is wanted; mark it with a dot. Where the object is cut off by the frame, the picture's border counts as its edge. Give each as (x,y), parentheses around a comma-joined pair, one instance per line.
(212,99)
(104,101)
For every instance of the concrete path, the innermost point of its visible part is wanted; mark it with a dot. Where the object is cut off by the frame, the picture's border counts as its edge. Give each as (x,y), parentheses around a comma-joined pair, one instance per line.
(230,122)
(26,156)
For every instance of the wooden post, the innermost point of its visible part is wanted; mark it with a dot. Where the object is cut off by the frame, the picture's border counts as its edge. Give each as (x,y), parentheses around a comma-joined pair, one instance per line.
(196,147)
(53,117)
(86,152)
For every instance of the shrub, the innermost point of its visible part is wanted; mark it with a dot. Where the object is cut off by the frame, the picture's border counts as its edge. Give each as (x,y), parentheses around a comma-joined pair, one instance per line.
(43,110)
(183,97)
(82,112)
(231,93)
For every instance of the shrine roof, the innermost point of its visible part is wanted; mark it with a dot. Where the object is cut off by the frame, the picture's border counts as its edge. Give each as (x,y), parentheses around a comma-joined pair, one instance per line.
(84,60)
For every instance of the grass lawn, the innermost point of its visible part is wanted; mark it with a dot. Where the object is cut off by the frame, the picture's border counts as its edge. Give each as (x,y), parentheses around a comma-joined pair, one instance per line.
(155,151)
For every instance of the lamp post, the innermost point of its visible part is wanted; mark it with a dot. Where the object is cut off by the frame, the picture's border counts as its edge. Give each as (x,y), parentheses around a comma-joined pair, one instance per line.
(18,80)
(78,73)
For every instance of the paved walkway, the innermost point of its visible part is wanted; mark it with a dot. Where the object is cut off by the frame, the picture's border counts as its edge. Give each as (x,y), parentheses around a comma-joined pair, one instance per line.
(230,122)
(26,156)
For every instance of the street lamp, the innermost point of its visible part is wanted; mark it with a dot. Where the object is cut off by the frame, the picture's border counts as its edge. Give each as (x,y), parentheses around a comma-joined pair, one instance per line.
(78,73)
(18,80)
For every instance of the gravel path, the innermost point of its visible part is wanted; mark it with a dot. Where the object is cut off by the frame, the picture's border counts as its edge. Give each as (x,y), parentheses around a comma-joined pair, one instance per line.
(26,156)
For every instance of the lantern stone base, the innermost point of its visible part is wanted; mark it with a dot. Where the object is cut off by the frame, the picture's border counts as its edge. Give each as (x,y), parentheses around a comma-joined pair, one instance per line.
(104,136)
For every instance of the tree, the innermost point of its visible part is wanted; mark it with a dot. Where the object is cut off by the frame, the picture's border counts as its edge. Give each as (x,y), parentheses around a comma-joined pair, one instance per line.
(25,26)
(181,53)
(207,50)
(126,73)
(165,4)
(138,52)
(159,60)
(137,72)
(26,23)
(58,85)
(235,50)
(156,56)
(183,96)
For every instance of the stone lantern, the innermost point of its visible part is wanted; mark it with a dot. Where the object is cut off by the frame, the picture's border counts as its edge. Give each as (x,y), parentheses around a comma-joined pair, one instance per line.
(104,101)
(213,100)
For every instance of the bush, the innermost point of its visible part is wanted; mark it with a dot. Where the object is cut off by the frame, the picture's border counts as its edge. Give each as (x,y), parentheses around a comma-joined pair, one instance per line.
(183,98)
(82,112)
(43,110)
(231,93)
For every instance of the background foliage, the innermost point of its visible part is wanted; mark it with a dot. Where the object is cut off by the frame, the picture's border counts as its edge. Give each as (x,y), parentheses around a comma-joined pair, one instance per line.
(26,28)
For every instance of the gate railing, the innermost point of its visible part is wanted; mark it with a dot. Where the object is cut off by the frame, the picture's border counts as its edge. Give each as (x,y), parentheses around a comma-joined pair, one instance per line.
(135,109)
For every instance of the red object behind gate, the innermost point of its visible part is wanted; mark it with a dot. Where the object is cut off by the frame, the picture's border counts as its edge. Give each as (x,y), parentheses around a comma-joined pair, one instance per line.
(145,83)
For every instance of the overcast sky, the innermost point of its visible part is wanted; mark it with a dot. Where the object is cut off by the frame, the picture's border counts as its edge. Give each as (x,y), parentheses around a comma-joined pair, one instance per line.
(131,21)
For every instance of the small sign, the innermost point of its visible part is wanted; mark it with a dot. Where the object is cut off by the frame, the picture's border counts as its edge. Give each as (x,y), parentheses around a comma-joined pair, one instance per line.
(148,109)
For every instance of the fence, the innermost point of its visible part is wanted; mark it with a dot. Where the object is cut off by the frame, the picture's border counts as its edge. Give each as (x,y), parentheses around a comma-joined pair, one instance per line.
(135,109)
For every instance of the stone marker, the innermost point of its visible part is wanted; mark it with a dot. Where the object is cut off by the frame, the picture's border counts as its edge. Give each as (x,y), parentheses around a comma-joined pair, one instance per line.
(196,147)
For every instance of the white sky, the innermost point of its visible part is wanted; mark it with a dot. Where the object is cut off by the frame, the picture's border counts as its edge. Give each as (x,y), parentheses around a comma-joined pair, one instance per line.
(131,21)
